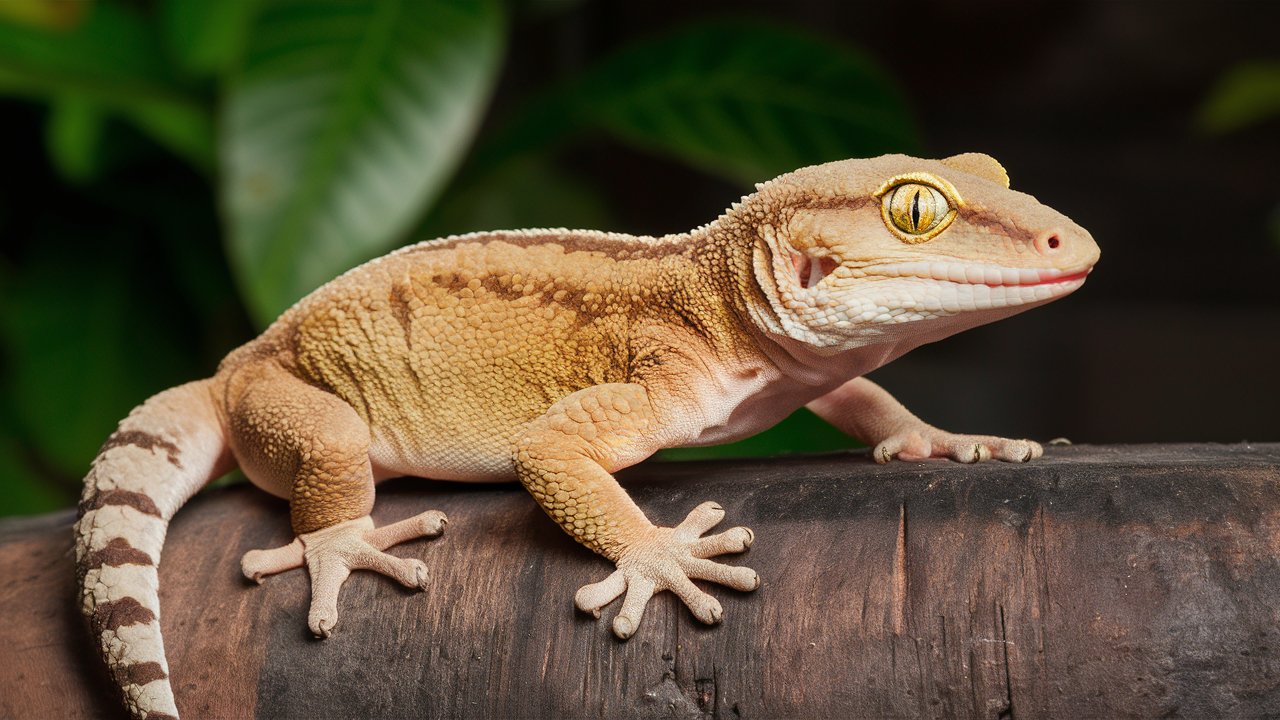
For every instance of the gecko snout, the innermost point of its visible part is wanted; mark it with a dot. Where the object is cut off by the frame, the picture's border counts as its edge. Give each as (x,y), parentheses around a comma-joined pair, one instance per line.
(1067,247)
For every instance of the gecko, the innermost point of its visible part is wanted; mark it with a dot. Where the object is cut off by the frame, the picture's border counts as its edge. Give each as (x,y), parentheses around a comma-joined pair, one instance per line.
(558,357)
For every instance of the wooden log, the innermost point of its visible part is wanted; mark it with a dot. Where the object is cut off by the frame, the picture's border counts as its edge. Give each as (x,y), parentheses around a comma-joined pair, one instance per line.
(1095,582)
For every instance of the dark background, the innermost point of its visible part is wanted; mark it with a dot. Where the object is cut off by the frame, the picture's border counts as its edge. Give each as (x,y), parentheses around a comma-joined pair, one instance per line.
(1092,107)
(1101,109)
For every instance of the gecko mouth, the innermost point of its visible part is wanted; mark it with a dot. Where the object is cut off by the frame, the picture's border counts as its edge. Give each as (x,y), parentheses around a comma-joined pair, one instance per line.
(981,274)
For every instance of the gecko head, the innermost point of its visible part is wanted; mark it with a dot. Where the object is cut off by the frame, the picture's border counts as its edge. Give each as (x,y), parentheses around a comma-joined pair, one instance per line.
(859,252)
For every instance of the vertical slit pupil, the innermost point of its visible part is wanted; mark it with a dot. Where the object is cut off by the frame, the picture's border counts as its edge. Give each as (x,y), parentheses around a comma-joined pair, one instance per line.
(915,211)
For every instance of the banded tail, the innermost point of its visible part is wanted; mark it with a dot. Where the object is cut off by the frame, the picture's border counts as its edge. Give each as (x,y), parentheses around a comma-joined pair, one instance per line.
(161,454)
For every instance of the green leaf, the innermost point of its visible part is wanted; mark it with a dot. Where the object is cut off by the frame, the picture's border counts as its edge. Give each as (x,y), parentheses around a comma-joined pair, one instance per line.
(74,137)
(1248,94)
(343,125)
(743,100)
(113,59)
(206,37)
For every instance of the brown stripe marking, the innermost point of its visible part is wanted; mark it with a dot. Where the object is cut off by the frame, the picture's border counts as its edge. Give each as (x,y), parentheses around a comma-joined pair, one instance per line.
(157,715)
(827,202)
(996,224)
(400,307)
(614,244)
(140,673)
(117,552)
(121,613)
(135,500)
(144,440)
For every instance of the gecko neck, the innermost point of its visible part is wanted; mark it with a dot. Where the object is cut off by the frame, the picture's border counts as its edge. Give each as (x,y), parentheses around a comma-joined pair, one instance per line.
(722,254)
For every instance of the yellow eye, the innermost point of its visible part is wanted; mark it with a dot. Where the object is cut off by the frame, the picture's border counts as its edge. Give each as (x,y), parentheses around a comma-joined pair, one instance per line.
(916,211)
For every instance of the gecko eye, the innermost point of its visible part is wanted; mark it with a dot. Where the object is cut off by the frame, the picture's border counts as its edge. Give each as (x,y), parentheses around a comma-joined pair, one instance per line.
(916,211)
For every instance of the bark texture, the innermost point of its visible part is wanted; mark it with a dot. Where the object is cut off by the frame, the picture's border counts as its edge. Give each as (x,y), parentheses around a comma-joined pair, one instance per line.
(1098,581)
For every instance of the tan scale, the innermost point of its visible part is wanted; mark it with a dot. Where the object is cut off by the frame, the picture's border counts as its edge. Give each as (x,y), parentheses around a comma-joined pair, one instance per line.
(558,357)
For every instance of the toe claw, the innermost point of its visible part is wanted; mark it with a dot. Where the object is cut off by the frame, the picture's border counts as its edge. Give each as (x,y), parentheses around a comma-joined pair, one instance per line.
(420,574)
(717,614)
(322,627)
(623,627)
(250,572)
(709,612)
(700,519)
(433,523)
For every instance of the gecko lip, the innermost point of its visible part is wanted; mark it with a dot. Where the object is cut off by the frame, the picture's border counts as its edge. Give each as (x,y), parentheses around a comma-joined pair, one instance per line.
(981,273)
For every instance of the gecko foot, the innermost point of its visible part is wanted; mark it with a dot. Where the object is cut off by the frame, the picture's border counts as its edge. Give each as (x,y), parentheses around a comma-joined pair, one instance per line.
(667,560)
(929,442)
(330,554)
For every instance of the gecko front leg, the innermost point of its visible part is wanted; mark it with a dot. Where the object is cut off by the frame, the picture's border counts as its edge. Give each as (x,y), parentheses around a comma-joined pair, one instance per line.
(869,413)
(565,459)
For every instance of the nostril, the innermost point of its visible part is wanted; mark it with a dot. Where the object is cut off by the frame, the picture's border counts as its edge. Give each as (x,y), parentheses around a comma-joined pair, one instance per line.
(1049,241)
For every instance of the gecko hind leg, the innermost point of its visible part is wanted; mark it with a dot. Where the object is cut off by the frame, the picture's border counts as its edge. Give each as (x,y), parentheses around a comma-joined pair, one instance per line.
(297,439)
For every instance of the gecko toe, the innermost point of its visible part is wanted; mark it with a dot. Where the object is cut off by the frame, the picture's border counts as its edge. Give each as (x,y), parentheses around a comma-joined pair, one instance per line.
(420,575)
(323,627)
(623,627)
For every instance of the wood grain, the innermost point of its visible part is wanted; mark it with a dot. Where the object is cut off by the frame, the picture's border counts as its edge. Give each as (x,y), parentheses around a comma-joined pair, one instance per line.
(1098,581)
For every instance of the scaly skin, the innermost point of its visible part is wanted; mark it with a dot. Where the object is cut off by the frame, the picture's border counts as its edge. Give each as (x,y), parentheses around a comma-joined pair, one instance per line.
(558,357)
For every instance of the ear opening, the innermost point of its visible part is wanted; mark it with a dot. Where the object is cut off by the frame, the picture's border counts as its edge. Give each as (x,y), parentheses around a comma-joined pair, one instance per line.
(811,270)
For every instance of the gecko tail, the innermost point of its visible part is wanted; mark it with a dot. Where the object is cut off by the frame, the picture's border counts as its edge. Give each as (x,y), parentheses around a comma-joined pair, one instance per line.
(161,454)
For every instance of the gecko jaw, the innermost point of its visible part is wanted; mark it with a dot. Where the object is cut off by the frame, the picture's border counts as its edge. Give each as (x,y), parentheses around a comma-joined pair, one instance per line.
(979,273)
(906,297)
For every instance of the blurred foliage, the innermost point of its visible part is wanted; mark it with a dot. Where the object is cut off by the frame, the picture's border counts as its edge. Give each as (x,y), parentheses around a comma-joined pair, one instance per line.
(1246,95)
(343,122)
(205,163)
